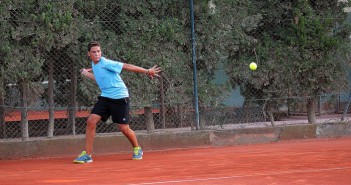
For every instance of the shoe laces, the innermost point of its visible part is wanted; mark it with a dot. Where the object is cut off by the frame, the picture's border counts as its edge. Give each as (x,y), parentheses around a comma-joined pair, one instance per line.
(136,150)
(84,153)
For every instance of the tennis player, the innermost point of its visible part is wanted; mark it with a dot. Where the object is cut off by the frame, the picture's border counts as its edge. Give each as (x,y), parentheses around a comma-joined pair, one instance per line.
(113,101)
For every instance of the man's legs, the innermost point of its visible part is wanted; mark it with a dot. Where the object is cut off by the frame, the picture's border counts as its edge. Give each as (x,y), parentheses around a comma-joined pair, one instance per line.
(85,156)
(129,133)
(93,119)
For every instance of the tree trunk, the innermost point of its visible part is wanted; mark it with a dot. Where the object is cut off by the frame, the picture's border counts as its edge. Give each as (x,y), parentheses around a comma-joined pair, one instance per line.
(149,120)
(202,118)
(180,115)
(73,100)
(2,105)
(24,111)
(162,99)
(311,112)
(267,108)
(50,133)
(271,116)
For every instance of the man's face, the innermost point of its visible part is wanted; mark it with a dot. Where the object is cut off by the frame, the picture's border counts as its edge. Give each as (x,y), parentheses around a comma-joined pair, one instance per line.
(95,53)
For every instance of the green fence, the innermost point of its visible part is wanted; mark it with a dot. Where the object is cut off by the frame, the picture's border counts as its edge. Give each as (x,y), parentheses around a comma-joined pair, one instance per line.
(301,49)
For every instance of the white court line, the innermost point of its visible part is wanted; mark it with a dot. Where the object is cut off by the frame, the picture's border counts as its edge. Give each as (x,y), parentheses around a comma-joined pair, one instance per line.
(239,176)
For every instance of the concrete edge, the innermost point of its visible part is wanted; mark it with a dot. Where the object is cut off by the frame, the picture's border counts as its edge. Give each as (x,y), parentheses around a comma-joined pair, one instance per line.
(168,140)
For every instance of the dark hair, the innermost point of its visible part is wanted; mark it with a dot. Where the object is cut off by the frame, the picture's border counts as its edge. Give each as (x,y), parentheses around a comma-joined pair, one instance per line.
(93,44)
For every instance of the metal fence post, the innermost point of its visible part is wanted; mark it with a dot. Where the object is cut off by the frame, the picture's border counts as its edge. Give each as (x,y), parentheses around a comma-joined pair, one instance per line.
(196,103)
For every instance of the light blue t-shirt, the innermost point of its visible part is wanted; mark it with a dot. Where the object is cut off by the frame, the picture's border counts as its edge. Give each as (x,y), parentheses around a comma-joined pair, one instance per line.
(107,76)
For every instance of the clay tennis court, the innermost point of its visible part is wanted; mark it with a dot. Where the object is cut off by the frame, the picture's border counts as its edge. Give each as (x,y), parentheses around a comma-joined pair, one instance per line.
(317,161)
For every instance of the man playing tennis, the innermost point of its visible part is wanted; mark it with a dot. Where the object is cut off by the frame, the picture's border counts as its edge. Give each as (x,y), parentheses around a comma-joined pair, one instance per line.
(113,101)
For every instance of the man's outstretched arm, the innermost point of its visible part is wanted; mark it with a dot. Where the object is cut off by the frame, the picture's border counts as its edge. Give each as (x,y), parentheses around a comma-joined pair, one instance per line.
(150,72)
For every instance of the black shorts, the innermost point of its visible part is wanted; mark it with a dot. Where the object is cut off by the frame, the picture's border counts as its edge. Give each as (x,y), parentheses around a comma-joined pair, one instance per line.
(118,109)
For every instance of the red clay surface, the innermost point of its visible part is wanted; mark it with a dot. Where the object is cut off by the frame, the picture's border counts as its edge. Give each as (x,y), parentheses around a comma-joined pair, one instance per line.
(319,161)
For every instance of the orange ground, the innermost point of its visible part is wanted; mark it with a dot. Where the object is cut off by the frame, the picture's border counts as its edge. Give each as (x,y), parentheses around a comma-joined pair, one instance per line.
(319,161)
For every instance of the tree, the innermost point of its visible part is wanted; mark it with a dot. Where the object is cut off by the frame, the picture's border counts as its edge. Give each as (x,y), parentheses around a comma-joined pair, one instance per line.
(146,33)
(298,48)
(23,61)
(222,41)
(39,37)
(57,28)
(4,49)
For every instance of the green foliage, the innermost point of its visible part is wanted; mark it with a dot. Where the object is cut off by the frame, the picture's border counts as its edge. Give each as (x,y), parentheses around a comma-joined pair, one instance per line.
(300,48)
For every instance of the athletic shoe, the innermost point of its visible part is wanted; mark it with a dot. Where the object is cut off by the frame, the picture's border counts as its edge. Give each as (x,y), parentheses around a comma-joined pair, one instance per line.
(83,158)
(137,153)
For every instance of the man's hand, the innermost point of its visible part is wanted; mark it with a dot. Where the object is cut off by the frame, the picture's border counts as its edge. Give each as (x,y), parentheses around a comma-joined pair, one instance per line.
(153,71)
(85,72)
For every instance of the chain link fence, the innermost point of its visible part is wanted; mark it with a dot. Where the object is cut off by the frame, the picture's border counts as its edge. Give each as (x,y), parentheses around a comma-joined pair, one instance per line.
(301,49)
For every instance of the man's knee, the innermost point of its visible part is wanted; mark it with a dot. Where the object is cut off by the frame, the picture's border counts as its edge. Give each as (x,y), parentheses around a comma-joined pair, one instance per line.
(92,122)
(123,128)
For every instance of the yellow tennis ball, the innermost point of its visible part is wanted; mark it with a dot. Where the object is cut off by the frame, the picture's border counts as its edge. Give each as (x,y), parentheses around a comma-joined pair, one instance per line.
(253,66)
